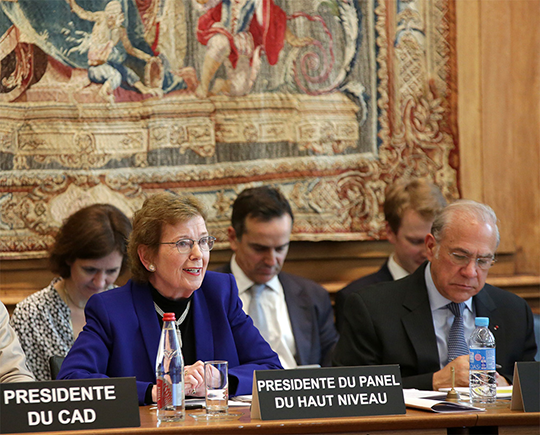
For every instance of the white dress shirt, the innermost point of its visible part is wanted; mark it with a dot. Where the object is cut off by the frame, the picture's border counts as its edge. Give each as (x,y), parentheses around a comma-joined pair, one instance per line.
(443,317)
(395,269)
(281,338)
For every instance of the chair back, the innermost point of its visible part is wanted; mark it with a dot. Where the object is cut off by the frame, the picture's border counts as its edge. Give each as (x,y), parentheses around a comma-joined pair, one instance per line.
(55,362)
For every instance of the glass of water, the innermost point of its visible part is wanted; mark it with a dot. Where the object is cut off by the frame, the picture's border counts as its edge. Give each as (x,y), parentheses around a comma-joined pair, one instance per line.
(216,381)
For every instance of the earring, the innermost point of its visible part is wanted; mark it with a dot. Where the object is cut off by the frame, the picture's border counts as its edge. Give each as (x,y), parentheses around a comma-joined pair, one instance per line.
(152,268)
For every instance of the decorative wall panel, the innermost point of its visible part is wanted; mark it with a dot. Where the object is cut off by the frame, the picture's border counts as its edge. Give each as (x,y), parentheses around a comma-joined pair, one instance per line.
(112,101)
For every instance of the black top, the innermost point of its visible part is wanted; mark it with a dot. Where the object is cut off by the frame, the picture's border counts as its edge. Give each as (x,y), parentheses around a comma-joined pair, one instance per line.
(186,328)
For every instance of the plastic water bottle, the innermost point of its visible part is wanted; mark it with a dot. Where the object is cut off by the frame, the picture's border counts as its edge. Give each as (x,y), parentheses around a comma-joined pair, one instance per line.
(170,373)
(482,380)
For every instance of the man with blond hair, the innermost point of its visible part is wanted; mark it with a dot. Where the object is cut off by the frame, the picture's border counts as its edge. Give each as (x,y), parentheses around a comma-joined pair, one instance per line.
(410,207)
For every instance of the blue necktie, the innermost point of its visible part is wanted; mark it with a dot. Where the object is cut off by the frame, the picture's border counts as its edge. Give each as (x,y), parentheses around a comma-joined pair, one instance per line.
(456,338)
(256,311)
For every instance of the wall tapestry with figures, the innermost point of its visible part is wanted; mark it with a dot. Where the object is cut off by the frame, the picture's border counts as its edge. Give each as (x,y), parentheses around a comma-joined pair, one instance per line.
(329,100)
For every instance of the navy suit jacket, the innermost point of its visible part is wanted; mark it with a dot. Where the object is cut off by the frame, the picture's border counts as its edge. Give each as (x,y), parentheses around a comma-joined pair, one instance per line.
(312,318)
(382,275)
(391,323)
(122,333)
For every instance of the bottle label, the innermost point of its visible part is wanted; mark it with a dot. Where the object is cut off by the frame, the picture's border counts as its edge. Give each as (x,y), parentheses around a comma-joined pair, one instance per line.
(164,394)
(169,394)
(177,394)
(482,359)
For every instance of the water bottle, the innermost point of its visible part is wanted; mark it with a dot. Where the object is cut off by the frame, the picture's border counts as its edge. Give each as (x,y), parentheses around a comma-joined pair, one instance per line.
(170,373)
(482,380)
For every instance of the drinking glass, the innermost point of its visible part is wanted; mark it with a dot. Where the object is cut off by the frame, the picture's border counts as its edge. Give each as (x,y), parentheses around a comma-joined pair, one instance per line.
(216,381)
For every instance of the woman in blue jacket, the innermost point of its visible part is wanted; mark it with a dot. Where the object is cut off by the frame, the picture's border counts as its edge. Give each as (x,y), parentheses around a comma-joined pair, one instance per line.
(169,250)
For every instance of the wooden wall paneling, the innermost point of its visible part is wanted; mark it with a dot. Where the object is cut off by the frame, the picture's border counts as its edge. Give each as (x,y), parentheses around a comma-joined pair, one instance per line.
(471,165)
(333,264)
(525,121)
(21,278)
(495,31)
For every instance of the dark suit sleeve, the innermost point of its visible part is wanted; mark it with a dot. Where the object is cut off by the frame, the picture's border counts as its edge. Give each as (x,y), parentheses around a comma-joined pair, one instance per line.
(420,382)
(312,319)
(358,344)
(363,343)
(512,323)
(531,348)
(519,344)
(328,334)
(382,275)
(339,306)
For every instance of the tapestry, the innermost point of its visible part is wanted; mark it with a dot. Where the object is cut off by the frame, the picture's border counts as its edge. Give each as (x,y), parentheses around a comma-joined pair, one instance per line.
(327,100)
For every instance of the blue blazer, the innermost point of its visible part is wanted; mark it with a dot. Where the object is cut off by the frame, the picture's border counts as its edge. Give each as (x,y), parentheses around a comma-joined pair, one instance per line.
(122,331)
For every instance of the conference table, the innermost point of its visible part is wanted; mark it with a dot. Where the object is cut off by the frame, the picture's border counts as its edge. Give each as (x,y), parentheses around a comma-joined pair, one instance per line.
(498,420)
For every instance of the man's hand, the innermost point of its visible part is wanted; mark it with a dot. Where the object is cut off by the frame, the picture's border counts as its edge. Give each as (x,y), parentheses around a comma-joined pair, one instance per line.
(501,381)
(443,378)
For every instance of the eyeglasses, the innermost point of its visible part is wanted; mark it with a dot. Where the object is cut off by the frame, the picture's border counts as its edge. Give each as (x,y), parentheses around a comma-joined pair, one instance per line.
(463,260)
(184,246)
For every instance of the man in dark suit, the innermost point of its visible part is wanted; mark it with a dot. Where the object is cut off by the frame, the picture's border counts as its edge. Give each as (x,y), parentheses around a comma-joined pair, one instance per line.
(293,314)
(408,322)
(409,209)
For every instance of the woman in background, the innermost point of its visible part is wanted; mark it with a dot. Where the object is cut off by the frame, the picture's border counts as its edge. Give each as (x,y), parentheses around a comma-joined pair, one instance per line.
(169,250)
(89,253)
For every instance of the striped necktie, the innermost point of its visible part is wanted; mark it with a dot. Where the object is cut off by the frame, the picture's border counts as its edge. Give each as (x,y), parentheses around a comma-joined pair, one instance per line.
(456,338)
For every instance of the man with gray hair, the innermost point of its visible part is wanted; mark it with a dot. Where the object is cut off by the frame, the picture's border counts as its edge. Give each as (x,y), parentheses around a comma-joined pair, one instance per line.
(410,322)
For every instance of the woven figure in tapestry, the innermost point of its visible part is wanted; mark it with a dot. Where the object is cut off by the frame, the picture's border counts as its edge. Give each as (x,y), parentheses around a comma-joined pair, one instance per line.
(106,56)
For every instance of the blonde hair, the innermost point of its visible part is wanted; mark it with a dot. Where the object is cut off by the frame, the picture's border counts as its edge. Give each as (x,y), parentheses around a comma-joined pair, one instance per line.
(158,210)
(416,194)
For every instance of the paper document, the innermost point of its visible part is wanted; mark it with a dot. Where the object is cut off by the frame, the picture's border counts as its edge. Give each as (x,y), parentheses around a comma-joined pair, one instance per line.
(426,400)
(245,399)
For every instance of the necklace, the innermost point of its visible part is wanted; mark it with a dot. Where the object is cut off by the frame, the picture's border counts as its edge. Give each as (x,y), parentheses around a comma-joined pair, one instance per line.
(178,322)
(67,297)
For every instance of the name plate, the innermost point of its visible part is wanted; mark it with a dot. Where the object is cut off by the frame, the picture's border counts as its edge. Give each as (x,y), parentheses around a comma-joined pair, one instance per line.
(327,392)
(69,405)
(526,390)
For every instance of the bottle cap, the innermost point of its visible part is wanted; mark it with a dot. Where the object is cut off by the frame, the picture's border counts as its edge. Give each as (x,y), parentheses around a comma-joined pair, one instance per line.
(481,321)
(169,317)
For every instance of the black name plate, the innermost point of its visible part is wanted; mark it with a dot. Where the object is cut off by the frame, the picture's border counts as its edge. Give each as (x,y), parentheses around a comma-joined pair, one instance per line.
(526,390)
(69,405)
(327,392)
